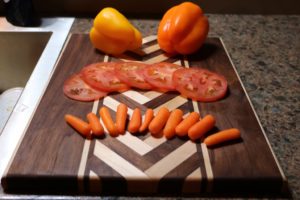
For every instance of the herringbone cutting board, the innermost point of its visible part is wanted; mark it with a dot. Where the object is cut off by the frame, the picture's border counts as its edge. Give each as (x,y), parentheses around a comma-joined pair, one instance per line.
(53,158)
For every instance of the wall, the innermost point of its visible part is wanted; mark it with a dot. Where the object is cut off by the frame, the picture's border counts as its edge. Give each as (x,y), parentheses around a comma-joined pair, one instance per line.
(156,7)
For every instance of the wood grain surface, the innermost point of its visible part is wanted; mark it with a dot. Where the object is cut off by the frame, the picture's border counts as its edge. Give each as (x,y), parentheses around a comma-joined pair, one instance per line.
(53,158)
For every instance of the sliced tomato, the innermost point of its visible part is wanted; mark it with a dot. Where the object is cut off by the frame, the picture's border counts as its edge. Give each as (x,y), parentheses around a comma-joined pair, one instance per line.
(75,88)
(159,75)
(131,73)
(102,76)
(200,84)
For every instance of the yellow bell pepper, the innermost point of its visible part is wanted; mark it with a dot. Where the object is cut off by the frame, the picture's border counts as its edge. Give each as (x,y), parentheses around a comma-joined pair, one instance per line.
(183,29)
(113,34)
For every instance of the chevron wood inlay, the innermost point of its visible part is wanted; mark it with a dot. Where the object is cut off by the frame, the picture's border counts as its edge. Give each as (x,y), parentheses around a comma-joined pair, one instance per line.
(136,144)
(172,160)
(137,96)
(119,164)
(172,104)
(149,143)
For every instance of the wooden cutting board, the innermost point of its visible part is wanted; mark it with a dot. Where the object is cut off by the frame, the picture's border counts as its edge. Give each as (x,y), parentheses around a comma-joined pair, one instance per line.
(53,158)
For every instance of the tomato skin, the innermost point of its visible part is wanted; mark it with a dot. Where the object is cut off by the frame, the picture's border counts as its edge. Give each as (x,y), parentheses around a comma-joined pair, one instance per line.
(200,84)
(102,76)
(131,73)
(75,88)
(159,75)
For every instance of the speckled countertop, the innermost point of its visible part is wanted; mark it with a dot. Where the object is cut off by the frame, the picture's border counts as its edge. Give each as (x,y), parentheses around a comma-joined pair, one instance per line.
(265,51)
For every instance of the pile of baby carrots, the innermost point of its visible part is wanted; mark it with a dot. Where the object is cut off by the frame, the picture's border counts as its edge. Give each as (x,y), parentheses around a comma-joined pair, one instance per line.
(170,124)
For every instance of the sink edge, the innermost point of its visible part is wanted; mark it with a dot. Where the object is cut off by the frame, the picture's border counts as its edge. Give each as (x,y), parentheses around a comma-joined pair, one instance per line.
(22,113)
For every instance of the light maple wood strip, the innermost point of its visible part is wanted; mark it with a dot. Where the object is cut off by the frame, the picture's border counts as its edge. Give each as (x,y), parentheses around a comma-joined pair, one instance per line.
(84,155)
(82,165)
(152,94)
(126,58)
(137,96)
(156,59)
(106,58)
(172,160)
(172,104)
(135,143)
(96,186)
(151,49)
(208,169)
(192,183)
(149,38)
(119,164)
(154,142)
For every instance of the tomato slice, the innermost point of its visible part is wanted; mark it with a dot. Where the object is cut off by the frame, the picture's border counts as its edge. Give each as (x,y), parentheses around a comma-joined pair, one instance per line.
(102,76)
(131,73)
(159,75)
(75,88)
(200,84)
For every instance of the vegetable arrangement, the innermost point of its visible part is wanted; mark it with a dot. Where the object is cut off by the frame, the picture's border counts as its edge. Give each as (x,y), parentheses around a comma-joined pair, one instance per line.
(96,80)
(182,30)
(170,124)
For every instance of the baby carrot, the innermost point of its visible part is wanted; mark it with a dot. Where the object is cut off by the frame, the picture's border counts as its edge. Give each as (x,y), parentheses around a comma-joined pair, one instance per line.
(159,121)
(174,119)
(78,124)
(183,127)
(201,127)
(135,121)
(108,122)
(121,117)
(222,136)
(148,117)
(95,124)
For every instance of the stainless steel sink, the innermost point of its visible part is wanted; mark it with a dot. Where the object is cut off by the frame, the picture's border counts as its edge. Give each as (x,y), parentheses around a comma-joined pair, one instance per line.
(19,54)
(28,58)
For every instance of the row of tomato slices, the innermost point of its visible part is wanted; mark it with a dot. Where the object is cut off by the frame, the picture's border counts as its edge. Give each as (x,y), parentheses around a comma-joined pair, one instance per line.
(96,80)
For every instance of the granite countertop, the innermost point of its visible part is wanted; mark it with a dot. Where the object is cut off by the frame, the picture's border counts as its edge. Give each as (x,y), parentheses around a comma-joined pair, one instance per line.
(265,51)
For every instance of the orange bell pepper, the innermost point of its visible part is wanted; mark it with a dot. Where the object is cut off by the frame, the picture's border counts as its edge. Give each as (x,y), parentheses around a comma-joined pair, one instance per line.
(113,34)
(183,29)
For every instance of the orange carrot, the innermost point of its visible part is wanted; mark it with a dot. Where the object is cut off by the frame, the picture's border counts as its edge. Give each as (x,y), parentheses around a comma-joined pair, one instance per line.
(222,136)
(159,121)
(135,121)
(108,122)
(174,119)
(183,127)
(121,117)
(201,127)
(95,124)
(78,124)
(148,118)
